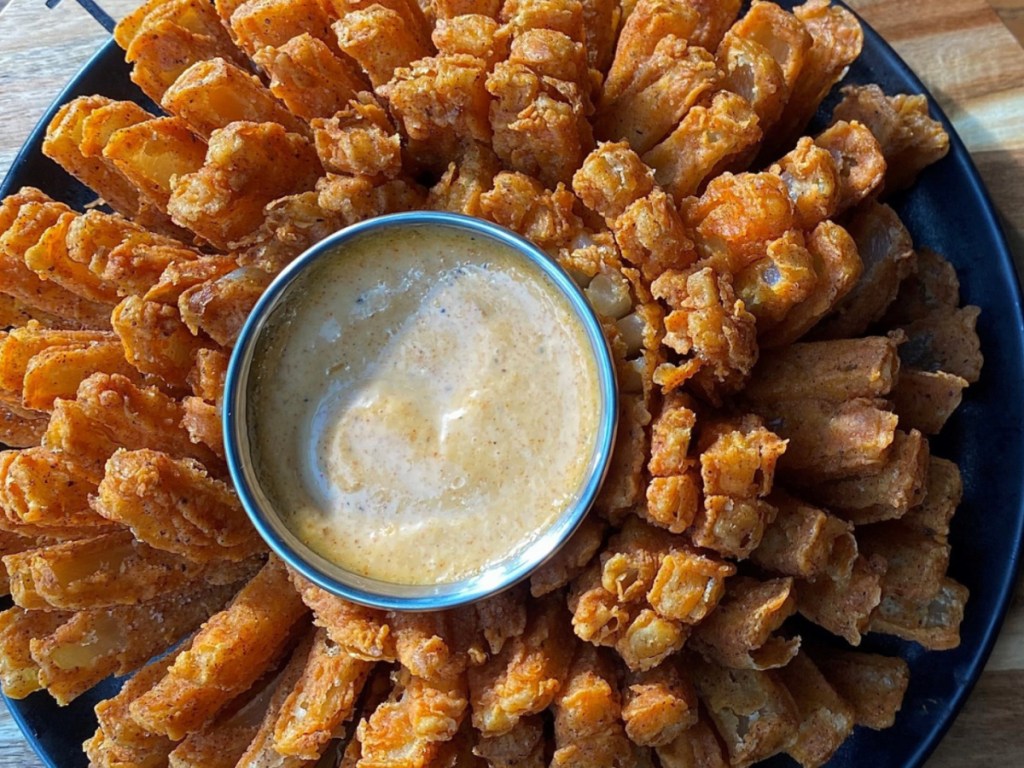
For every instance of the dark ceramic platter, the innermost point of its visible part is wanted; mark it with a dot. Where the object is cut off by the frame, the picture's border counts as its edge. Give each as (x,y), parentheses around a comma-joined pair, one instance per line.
(949,211)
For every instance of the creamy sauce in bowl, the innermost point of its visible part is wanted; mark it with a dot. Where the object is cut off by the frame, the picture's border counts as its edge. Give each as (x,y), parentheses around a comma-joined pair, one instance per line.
(424,404)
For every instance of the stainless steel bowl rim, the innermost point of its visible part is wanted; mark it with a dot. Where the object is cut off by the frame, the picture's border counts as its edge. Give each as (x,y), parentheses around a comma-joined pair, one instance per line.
(372,592)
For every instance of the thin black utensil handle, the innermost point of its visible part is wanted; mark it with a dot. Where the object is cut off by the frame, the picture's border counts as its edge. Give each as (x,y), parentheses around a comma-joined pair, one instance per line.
(92,8)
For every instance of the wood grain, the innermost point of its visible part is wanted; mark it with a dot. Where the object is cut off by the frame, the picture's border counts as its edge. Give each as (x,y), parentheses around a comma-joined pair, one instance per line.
(968,59)
(1012,14)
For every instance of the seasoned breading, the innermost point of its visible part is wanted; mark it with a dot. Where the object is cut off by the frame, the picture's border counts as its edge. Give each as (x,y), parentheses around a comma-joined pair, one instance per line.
(226,657)
(247,166)
(174,505)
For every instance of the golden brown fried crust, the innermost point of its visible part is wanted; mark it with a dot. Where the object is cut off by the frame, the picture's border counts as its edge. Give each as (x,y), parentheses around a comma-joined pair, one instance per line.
(692,266)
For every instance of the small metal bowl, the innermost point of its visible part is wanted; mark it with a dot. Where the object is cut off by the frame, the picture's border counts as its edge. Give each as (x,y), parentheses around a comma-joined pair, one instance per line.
(356,587)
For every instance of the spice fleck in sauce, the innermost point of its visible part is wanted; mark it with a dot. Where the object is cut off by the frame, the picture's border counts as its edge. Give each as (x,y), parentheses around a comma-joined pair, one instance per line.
(426,405)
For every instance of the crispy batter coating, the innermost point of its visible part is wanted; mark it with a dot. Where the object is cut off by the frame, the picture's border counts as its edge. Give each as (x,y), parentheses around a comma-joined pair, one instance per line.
(215,93)
(260,752)
(360,631)
(539,123)
(179,277)
(359,139)
(782,34)
(843,606)
(873,684)
(380,40)
(709,325)
(943,492)
(671,435)
(805,541)
(412,14)
(557,15)
(293,223)
(44,489)
(910,139)
(14,312)
(647,585)
(439,104)
(706,140)
(110,412)
(11,544)
(227,656)
(102,123)
(658,704)
(21,428)
(752,711)
(20,345)
(65,133)
(570,560)
(611,178)
(884,494)
(524,678)
(837,266)
(945,342)
(858,159)
(673,502)
(933,287)
(99,642)
(174,505)
(624,486)
(349,199)
(887,255)
(411,727)
(309,78)
(779,281)
(670,81)
(652,236)
(323,698)
(832,440)
(462,185)
(155,339)
(474,34)
(696,747)
(522,204)
(588,723)
(162,39)
(256,24)
(219,307)
(122,252)
(202,420)
(49,258)
(737,216)
(649,22)
(24,218)
(19,672)
(110,569)
(119,742)
(740,632)
(739,457)
(521,747)
(751,72)
(832,370)
(814,179)
(915,561)
(837,39)
(826,719)
(247,166)
(932,622)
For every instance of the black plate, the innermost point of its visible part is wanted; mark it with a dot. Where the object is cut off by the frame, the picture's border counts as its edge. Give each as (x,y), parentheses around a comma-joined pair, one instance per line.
(949,211)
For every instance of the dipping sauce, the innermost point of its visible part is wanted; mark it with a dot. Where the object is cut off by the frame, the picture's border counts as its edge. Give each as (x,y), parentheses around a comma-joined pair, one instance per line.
(426,404)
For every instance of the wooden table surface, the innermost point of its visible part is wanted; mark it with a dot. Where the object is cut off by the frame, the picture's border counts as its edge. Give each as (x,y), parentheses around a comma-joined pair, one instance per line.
(965,54)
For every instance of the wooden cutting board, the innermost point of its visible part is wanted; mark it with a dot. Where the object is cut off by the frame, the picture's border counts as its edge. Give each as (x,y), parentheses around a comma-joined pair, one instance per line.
(959,48)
